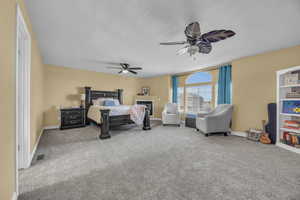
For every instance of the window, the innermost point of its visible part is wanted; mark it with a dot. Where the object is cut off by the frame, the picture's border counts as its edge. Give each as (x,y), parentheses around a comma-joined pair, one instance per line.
(199,77)
(197,93)
(198,98)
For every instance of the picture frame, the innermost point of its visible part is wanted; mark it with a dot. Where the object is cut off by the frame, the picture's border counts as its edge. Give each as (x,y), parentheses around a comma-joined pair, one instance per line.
(146,91)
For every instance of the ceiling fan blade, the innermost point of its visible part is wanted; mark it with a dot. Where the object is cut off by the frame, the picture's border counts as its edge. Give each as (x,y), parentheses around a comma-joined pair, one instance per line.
(120,72)
(123,66)
(173,43)
(183,50)
(217,35)
(132,71)
(113,67)
(193,30)
(135,68)
(204,47)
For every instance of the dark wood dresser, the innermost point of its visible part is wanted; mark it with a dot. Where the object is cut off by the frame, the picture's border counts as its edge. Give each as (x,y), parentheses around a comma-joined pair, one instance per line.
(72,118)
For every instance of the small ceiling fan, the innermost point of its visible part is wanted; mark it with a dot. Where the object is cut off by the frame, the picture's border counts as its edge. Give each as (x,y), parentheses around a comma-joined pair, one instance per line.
(197,42)
(124,68)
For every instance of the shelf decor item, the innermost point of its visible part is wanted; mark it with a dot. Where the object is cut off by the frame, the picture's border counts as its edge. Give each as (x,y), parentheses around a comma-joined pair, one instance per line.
(254,134)
(291,107)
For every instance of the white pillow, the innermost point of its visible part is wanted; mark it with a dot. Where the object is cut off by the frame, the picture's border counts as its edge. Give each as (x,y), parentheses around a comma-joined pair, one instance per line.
(100,101)
(117,103)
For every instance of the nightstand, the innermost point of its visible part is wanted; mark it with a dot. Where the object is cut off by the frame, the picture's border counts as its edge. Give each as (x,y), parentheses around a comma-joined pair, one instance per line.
(72,118)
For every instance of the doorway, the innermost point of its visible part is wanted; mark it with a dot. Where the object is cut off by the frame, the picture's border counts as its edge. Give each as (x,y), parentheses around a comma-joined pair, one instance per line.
(23,54)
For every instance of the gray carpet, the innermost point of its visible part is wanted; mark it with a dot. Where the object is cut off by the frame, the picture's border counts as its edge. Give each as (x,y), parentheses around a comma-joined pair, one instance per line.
(167,163)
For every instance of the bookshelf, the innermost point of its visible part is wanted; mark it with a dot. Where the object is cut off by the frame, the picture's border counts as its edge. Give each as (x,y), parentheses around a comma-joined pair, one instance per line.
(284,87)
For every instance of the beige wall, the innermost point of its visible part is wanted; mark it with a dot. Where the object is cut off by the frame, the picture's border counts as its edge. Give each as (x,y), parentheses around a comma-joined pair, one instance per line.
(161,87)
(7,104)
(63,86)
(7,89)
(254,85)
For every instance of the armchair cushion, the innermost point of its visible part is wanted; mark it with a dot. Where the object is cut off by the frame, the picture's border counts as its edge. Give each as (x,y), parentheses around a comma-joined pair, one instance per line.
(171,108)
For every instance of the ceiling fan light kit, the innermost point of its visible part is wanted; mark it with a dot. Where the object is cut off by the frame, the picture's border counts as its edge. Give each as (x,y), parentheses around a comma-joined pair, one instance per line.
(197,42)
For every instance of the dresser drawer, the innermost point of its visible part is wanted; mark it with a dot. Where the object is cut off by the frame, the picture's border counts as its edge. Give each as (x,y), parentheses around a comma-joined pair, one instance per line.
(72,117)
(72,122)
(72,113)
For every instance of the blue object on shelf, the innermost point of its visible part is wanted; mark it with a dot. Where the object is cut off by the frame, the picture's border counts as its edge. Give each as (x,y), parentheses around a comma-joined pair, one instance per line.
(291,107)
(189,115)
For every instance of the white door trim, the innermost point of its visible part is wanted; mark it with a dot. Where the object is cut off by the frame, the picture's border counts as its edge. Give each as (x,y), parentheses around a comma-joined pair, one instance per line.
(25,50)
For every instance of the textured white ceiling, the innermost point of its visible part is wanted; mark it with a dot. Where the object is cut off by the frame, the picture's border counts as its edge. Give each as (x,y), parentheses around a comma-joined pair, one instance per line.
(72,33)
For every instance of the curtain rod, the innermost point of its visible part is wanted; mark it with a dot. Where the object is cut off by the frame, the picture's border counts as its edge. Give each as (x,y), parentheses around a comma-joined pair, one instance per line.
(211,68)
(217,66)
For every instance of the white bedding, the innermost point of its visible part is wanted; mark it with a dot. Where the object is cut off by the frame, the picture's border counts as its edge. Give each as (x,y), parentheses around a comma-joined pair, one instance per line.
(95,114)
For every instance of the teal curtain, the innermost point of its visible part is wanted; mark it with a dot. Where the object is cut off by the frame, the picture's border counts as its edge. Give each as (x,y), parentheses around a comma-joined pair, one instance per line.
(174,88)
(224,85)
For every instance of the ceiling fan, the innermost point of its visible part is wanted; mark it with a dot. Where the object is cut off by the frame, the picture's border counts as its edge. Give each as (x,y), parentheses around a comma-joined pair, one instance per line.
(124,68)
(197,42)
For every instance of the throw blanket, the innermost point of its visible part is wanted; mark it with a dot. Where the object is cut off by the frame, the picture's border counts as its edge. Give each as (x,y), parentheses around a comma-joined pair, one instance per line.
(137,114)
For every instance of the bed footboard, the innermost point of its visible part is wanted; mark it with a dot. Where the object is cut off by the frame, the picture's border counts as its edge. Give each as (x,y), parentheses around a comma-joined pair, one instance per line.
(108,121)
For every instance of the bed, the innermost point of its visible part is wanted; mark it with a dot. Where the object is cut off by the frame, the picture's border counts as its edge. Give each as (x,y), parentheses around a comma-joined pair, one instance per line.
(107,117)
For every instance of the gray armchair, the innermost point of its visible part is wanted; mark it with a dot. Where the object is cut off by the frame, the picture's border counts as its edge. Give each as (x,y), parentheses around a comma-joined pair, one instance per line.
(171,115)
(218,120)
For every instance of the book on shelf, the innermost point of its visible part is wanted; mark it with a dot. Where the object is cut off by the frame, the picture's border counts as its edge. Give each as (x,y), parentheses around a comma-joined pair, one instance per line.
(292,139)
(292,95)
(291,127)
(291,79)
(291,124)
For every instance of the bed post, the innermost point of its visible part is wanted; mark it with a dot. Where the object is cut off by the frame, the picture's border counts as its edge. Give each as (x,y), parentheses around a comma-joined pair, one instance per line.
(120,95)
(87,103)
(146,124)
(104,126)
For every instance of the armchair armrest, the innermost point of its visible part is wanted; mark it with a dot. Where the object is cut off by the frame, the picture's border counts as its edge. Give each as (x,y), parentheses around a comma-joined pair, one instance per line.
(164,111)
(204,114)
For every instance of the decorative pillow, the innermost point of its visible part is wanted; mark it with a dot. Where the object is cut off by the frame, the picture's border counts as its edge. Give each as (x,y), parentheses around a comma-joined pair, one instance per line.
(117,103)
(109,103)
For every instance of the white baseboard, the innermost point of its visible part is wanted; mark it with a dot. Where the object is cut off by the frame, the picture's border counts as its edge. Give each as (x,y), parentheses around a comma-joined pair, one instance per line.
(51,127)
(239,133)
(36,145)
(38,140)
(15,196)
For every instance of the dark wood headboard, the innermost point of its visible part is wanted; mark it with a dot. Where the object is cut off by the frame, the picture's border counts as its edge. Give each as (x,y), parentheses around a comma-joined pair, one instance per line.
(91,95)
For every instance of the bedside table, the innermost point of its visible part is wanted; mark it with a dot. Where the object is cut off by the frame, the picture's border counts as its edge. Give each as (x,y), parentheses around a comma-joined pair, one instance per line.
(72,118)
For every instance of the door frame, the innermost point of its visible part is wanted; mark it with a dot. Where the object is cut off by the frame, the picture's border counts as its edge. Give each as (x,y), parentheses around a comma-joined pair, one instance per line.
(26,52)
